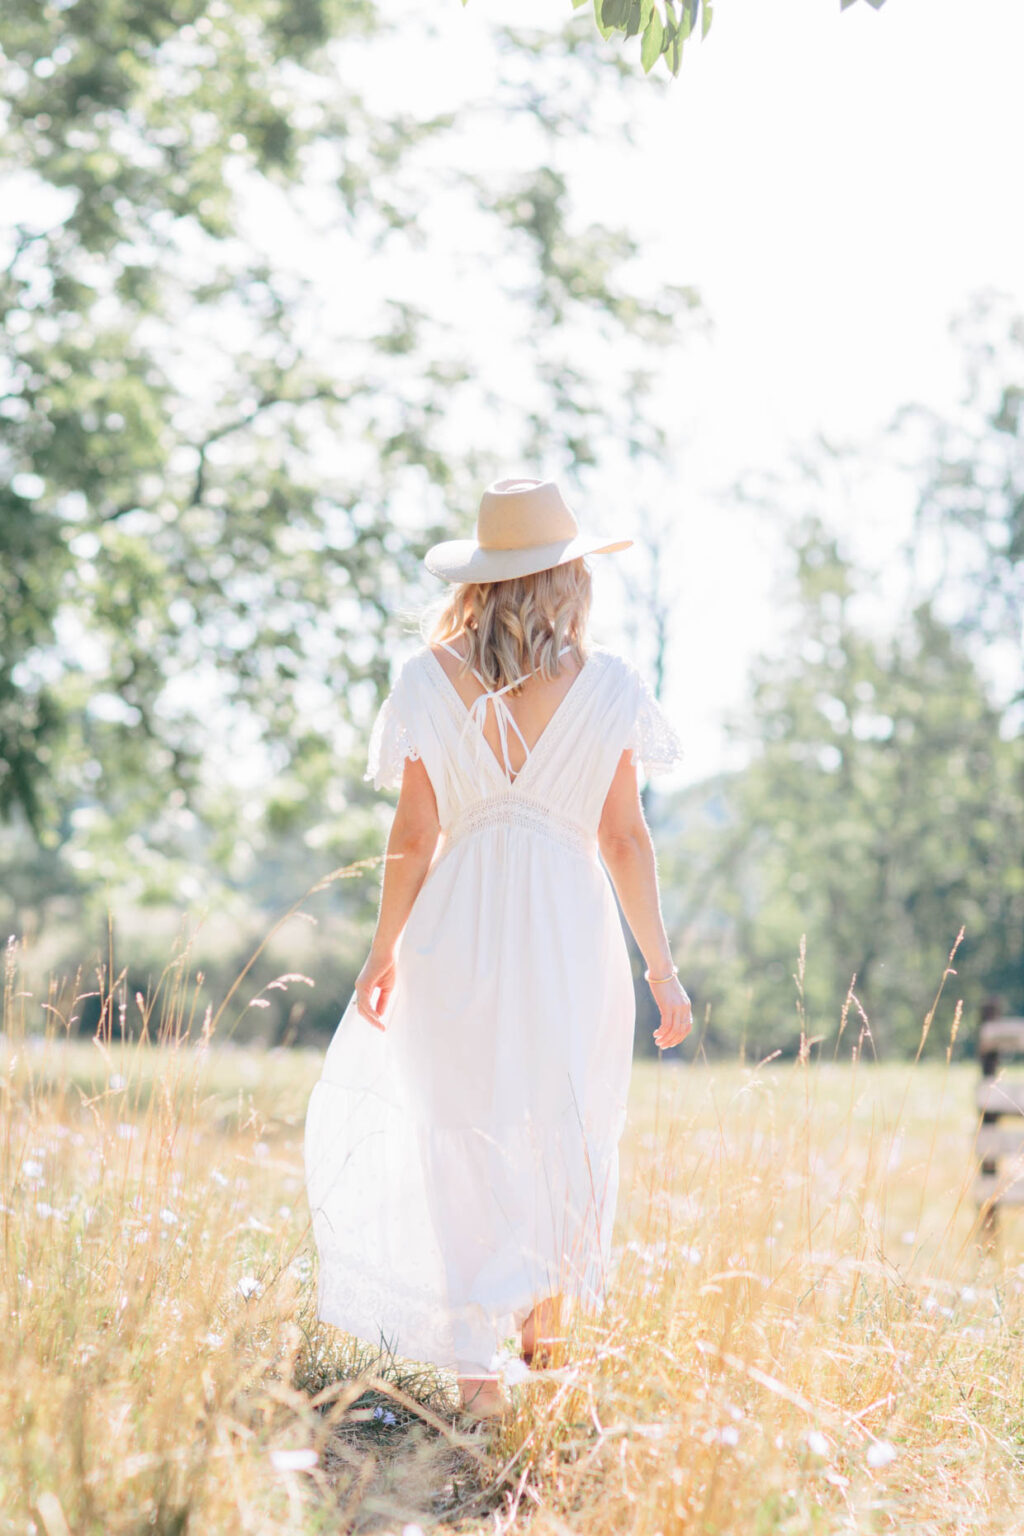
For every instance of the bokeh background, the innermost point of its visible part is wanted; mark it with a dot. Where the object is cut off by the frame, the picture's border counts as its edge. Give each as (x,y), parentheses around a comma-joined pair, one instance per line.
(283,286)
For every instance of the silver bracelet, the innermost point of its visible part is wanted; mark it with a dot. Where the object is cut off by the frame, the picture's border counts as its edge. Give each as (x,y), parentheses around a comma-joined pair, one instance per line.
(655,979)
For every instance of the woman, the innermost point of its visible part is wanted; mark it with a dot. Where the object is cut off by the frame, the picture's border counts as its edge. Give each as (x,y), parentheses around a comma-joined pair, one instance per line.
(462,1142)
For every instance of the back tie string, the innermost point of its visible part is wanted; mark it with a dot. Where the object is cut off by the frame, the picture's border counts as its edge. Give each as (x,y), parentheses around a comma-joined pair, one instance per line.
(503,716)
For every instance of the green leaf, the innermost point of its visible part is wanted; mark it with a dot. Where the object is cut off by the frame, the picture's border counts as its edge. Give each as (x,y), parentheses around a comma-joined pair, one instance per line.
(604,31)
(650,47)
(633,19)
(685,21)
(646,12)
(615,12)
(575,4)
(706,18)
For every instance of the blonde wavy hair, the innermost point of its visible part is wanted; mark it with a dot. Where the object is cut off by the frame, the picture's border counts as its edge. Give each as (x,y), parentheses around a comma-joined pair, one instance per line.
(520,625)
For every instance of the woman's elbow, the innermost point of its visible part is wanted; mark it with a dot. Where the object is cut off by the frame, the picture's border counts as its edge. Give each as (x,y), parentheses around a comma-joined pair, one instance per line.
(414,843)
(618,843)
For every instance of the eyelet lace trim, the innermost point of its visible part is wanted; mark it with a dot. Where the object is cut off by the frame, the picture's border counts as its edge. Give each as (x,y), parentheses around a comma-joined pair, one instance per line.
(653,739)
(390,745)
(515,810)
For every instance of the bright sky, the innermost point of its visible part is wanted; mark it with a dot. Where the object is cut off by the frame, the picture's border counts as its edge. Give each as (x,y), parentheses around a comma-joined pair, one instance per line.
(853,179)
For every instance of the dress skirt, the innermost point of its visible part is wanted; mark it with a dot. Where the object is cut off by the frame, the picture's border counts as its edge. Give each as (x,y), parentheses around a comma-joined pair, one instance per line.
(463,1164)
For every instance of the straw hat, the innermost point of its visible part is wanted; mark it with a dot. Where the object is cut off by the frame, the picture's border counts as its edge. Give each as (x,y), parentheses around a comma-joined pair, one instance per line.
(523,526)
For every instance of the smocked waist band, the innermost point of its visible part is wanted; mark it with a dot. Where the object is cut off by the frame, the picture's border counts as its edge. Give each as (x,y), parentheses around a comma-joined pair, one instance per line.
(515,810)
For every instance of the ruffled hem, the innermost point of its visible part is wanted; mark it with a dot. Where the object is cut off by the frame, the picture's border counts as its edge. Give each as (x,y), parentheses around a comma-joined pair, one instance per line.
(407,1259)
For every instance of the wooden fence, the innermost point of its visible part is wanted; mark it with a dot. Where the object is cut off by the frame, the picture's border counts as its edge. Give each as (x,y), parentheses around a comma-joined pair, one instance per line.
(1000,1136)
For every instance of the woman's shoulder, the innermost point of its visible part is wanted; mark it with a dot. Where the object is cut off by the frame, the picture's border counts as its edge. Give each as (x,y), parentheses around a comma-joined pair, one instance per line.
(420,673)
(407,674)
(614,664)
(413,661)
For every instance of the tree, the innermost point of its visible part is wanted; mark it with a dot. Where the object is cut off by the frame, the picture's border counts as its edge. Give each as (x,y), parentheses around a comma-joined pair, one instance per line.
(879,814)
(969,469)
(218,481)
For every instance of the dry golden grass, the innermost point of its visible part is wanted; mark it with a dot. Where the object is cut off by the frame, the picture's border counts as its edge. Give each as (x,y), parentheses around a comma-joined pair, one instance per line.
(802,1333)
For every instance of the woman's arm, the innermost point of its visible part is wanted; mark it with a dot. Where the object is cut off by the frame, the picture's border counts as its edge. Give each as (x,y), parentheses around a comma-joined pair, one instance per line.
(413,838)
(628,854)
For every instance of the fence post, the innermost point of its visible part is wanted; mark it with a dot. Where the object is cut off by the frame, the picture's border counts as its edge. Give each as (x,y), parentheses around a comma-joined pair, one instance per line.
(989,1058)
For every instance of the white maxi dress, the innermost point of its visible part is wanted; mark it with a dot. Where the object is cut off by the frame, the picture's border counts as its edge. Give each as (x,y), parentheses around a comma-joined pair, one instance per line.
(463,1164)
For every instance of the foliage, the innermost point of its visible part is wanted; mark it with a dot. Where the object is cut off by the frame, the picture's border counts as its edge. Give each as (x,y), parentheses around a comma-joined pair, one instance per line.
(663,30)
(663,26)
(970,476)
(221,473)
(879,814)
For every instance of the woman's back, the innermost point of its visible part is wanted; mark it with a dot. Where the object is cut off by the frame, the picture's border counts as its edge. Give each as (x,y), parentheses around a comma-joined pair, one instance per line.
(532,706)
(560,785)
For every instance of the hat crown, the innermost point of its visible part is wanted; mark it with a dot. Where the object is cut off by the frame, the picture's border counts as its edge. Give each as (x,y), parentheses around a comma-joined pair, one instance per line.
(515,514)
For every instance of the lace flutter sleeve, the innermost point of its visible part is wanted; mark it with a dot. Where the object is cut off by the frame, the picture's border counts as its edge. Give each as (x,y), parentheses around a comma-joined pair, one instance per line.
(653,740)
(390,745)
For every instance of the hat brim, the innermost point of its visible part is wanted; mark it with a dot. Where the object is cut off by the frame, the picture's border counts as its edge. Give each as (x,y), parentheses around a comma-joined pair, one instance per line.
(464,560)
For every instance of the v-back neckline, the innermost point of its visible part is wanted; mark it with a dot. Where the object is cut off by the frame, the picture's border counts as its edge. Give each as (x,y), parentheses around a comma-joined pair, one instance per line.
(465,710)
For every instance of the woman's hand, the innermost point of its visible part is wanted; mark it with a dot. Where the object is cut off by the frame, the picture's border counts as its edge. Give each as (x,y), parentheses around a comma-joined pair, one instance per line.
(378,972)
(676,1012)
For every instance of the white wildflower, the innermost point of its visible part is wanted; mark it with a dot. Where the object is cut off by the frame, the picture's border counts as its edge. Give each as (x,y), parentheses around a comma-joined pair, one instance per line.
(218,1177)
(249,1286)
(512,1369)
(881,1453)
(294,1461)
(817,1443)
(169,1217)
(32,1169)
(116,1081)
